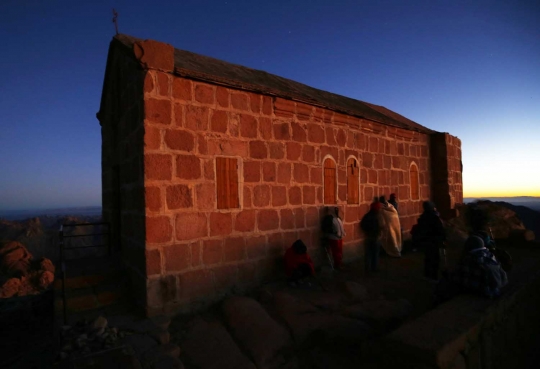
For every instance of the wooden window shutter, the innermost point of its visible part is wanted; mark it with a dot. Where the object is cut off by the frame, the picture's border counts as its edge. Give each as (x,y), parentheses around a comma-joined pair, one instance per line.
(227,183)
(415,192)
(330,183)
(233,183)
(352,181)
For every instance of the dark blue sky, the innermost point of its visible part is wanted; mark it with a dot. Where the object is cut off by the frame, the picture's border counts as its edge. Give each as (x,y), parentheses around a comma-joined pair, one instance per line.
(468,68)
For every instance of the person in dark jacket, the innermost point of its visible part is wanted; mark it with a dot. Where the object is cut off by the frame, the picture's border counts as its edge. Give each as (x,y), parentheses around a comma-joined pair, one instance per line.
(298,263)
(429,235)
(371,226)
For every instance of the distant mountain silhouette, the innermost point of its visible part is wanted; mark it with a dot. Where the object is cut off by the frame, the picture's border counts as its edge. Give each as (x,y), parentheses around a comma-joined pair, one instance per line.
(40,234)
(529,217)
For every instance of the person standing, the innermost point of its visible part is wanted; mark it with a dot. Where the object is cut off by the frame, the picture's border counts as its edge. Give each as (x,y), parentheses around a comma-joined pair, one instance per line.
(429,235)
(391,231)
(371,226)
(333,233)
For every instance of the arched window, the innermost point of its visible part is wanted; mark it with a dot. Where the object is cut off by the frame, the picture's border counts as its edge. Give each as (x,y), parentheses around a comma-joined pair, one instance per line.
(330,181)
(415,187)
(352,181)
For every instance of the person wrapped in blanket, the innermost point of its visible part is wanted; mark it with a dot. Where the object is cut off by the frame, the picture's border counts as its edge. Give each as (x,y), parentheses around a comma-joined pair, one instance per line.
(479,271)
(298,264)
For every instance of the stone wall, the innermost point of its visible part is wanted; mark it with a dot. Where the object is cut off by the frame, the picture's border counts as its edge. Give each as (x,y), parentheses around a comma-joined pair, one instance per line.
(193,249)
(161,135)
(446,168)
(122,133)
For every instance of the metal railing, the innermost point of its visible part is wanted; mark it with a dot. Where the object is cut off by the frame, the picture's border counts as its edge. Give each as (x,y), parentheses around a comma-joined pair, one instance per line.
(63,249)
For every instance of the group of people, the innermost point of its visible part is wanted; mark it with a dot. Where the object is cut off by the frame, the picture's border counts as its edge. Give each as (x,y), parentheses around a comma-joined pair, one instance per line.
(481,268)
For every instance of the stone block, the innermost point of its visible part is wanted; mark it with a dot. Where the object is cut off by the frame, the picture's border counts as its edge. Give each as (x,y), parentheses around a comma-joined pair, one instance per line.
(315,133)
(158,166)
(295,195)
(287,219)
(154,55)
(206,196)
(202,338)
(301,173)
(330,136)
(277,150)
(261,336)
(261,195)
(252,171)
(204,93)
(284,173)
(152,198)
(181,89)
(279,195)
(177,257)
(152,137)
(219,121)
(220,224)
(188,167)
(180,140)
(153,262)
(245,221)
(234,249)
(179,197)
(255,103)
(239,101)
(196,118)
(191,226)
(195,285)
(299,133)
(308,195)
(212,251)
(222,97)
(269,171)
(294,151)
(158,110)
(248,126)
(258,150)
(158,229)
(267,220)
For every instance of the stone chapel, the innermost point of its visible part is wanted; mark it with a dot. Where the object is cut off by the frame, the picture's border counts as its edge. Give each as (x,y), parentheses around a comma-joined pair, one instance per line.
(210,170)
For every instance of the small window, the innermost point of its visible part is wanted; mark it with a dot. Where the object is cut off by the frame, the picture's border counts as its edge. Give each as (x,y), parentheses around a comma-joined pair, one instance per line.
(352,181)
(415,188)
(330,182)
(227,183)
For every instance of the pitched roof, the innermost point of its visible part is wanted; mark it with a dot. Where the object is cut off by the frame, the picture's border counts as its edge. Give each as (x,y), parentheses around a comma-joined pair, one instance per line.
(188,64)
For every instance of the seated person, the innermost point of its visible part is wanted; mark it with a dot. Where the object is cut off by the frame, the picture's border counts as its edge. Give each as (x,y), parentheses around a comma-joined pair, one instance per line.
(298,264)
(479,271)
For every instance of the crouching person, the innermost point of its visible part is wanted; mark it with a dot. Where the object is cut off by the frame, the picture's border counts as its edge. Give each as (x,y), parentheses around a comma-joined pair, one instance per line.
(298,264)
(479,272)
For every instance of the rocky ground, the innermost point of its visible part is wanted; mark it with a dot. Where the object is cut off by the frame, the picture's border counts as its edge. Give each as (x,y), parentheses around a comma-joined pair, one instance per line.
(339,321)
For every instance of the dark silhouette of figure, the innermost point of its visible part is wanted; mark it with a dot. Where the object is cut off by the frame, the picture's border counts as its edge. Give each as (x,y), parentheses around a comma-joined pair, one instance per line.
(298,263)
(371,226)
(429,234)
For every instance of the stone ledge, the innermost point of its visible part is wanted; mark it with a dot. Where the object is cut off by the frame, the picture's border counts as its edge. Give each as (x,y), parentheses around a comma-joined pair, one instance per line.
(438,338)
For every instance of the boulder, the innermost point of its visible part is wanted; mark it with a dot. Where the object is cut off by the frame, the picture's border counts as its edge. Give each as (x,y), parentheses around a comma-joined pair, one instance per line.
(209,346)
(15,259)
(310,325)
(381,313)
(45,279)
(355,291)
(261,336)
(10,288)
(47,265)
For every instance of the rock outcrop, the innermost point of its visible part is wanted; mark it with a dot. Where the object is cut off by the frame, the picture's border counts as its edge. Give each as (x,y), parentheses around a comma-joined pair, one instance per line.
(20,274)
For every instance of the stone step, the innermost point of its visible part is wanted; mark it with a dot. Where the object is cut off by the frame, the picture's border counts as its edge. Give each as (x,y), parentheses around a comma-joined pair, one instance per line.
(91,293)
